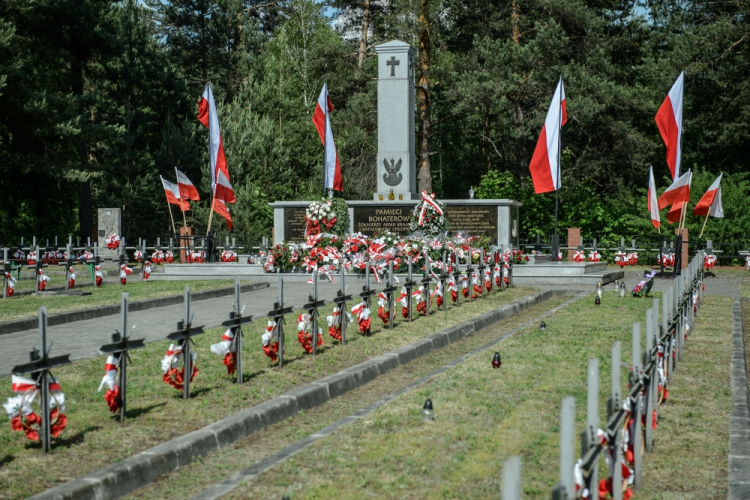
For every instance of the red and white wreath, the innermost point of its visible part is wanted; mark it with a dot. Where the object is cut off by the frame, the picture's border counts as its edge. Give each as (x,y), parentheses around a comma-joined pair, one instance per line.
(319,215)
(170,363)
(227,349)
(304,333)
(112,396)
(22,416)
(270,340)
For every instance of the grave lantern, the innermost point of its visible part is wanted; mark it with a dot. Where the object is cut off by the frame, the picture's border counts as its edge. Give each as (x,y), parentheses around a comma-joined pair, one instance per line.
(427,413)
(623,290)
(471,193)
(496,362)
(597,301)
(599,289)
(617,286)
(543,327)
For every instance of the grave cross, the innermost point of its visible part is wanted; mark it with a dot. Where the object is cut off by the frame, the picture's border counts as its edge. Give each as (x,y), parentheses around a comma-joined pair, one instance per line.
(367,292)
(389,290)
(119,347)
(277,314)
(312,307)
(469,273)
(235,322)
(184,331)
(40,366)
(444,281)
(393,63)
(410,284)
(426,289)
(457,279)
(38,266)
(480,271)
(8,267)
(340,301)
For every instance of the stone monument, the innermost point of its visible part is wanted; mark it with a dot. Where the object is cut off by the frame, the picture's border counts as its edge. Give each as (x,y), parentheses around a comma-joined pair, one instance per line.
(109,223)
(396,159)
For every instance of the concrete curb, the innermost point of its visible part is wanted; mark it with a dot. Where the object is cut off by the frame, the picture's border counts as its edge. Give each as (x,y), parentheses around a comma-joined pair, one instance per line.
(739,418)
(20,325)
(121,478)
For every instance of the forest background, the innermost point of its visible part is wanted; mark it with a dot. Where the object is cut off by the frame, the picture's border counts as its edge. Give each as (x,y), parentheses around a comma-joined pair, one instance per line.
(99,97)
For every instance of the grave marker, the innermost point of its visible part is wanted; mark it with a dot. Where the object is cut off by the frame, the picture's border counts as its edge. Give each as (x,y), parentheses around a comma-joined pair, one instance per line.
(235,322)
(120,346)
(39,366)
(185,330)
(340,300)
(277,315)
(389,290)
(312,307)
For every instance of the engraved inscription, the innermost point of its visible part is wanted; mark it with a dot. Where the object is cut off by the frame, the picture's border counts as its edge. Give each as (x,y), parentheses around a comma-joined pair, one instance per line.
(294,224)
(367,220)
(476,220)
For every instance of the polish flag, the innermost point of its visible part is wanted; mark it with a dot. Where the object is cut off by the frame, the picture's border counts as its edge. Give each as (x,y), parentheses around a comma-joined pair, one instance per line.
(678,192)
(669,121)
(210,119)
(710,203)
(332,178)
(173,195)
(224,191)
(546,160)
(653,205)
(221,208)
(187,189)
(675,212)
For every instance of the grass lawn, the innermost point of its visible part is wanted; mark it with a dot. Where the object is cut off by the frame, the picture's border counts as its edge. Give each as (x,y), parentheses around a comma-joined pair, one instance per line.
(93,439)
(483,416)
(25,306)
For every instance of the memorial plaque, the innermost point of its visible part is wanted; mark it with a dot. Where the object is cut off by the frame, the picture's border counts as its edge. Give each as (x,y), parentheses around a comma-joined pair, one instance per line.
(109,223)
(395,219)
(294,224)
(475,220)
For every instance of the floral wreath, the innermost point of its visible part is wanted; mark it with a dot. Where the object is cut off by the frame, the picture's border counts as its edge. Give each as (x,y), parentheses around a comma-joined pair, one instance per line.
(334,323)
(112,396)
(23,418)
(304,333)
(319,215)
(363,317)
(428,216)
(169,365)
(271,349)
(227,349)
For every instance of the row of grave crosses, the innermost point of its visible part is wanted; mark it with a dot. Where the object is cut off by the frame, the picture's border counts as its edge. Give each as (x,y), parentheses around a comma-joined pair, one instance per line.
(180,351)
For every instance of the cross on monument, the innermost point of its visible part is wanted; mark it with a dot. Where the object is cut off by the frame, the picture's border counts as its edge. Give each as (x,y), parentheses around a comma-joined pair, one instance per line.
(393,63)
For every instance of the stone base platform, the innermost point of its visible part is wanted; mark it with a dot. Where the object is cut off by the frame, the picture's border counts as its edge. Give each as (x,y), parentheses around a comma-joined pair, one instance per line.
(564,273)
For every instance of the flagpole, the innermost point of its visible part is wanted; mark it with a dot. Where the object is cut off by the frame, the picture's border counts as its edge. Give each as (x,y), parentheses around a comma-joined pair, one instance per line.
(211,215)
(169,207)
(704,223)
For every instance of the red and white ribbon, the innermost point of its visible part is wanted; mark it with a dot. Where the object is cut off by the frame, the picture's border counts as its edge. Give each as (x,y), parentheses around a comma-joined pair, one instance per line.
(428,201)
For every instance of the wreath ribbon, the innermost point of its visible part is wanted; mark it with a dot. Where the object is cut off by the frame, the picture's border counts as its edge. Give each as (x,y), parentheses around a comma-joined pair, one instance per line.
(428,200)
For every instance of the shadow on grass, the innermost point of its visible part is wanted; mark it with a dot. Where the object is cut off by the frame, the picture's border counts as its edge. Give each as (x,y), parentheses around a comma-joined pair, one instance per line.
(137,412)
(69,441)
(6,459)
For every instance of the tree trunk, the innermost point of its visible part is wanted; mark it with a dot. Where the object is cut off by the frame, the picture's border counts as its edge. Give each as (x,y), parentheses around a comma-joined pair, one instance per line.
(365,34)
(423,99)
(85,208)
(486,142)
(522,161)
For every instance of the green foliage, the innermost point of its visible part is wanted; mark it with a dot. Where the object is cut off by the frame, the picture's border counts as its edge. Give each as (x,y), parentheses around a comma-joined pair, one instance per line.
(341,209)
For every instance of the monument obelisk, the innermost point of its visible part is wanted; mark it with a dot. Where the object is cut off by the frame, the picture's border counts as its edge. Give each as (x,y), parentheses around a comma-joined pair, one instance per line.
(396,160)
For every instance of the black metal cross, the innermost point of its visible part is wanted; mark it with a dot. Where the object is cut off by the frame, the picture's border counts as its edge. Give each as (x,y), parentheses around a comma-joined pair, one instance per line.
(39,367)
(469,273)
(480,273)
(340,301)
(393,63)
(119,347)
(389,290)
(409,285)
(367,292)
(38,266)
(184,331)
(235,322)
(312,307)
(426,289)
(444,281)
(457,279)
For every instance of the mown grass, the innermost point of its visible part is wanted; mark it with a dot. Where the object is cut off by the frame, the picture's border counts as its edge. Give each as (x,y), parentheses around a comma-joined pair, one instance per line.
(25,306)
(483,416)
(156,412)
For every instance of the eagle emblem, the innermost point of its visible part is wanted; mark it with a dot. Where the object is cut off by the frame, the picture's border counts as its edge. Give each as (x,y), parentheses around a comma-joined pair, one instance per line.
(392,177)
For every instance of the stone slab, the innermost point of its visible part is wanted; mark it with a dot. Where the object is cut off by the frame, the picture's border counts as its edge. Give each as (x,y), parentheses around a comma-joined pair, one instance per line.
(139,470)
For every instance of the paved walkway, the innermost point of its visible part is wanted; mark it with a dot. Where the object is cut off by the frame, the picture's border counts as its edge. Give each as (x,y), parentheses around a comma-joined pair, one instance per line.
(83,338)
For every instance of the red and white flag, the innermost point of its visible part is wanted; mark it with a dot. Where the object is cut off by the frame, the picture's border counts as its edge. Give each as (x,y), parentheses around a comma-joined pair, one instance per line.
(173,195)
(210,119)
(710,203)
(546,160)
(221,208)
(224,191)
(332,178)
(653,205)
(669,121)
(187,189)
(678,192)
